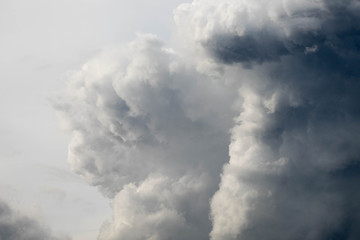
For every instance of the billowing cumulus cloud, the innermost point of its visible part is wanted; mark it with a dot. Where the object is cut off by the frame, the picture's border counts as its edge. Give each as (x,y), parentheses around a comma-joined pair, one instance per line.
(296,137)
(13,225)
(272,84)
(152,132)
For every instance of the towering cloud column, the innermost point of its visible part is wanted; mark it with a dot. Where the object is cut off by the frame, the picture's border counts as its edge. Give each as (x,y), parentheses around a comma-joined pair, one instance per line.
(277,80)
(295,149)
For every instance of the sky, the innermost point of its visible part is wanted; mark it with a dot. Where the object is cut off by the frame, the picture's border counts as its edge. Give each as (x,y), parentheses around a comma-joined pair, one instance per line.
(203,119)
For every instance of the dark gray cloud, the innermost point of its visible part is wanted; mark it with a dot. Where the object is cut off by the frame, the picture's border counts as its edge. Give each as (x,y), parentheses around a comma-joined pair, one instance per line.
(258,48)
(14,226)
(298,133)
(334,30)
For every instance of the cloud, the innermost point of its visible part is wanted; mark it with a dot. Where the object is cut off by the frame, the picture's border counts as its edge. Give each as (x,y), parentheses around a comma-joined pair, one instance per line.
(296,136)
(16,226)
(273,84)
(144,112)
(160,208)
(262,31)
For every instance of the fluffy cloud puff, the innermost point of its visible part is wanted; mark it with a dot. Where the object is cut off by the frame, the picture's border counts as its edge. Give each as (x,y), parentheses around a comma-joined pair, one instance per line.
(148,113)
(150,125)
(143,112)
(16,226)
(161,208)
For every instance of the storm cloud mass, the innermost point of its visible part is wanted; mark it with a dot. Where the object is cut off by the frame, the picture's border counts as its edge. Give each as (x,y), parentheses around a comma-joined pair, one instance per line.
(272,84)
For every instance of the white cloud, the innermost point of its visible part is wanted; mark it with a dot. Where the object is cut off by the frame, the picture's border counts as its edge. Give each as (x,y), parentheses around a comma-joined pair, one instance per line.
(160,208)
(144,111)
